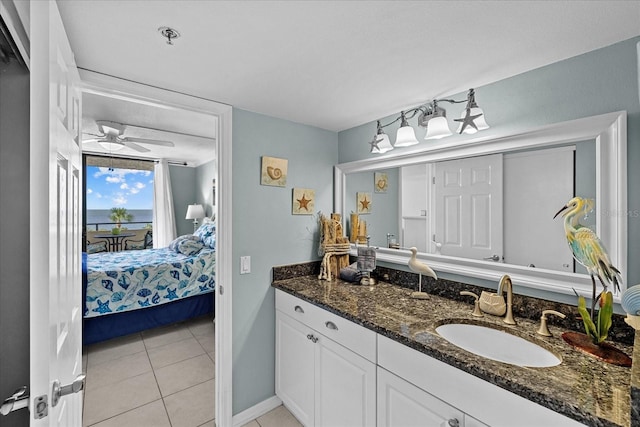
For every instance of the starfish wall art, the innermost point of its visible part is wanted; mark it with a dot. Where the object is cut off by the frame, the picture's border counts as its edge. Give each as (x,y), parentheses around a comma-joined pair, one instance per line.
(303,201)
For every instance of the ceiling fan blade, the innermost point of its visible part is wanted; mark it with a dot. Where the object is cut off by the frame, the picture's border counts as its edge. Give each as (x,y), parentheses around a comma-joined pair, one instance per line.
(94,134)
(135,146)
(148,141)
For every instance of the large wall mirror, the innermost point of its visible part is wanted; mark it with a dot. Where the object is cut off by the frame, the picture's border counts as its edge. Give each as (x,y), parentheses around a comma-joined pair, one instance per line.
(484,206)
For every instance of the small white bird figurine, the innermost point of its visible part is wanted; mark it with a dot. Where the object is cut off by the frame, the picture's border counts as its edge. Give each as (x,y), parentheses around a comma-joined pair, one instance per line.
(420,268)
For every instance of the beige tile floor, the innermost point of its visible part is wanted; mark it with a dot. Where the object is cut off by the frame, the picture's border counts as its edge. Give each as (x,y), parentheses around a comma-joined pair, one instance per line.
(157,378)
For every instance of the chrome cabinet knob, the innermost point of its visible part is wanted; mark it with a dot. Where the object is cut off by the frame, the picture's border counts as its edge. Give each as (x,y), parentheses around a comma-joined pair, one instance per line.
(453,422)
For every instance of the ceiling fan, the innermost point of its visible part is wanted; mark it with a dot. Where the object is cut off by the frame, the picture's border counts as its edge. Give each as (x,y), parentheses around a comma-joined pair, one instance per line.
(112,138)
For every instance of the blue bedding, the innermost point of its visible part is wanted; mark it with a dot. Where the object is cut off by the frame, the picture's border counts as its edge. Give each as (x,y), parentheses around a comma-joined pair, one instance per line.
(131,280)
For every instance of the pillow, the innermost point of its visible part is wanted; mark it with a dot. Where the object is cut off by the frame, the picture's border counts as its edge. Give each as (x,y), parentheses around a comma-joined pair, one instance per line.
(207,233)
(174,244)
(94,248)
(190,247)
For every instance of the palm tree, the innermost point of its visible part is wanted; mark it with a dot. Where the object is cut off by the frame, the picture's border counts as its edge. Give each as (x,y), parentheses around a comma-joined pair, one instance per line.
(120,214)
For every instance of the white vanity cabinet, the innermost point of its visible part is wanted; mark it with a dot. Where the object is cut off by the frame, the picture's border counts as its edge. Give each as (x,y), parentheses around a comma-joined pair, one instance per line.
(333,372)
(480,402)
(402,404)
(325,365)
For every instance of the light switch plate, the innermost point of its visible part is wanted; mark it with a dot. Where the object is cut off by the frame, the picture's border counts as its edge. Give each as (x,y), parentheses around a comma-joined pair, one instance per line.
(245,264)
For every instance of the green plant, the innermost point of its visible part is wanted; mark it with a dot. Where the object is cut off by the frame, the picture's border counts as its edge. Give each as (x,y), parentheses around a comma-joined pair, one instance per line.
(597,331)
(118,215)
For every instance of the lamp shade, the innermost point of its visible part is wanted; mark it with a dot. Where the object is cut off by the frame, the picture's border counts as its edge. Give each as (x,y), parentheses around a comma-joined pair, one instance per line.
(384,144)
(437,128)
(195,212)
(111,146)
(480,122)
(405,137)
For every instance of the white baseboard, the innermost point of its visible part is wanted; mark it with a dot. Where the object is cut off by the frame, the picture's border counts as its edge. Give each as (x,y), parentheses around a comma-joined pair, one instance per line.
(256,411)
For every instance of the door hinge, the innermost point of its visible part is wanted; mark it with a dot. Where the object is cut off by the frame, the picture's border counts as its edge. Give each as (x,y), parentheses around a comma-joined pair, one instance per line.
(433,179)
(221,290)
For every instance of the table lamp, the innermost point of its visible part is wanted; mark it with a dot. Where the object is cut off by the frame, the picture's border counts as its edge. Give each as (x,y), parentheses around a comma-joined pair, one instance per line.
(194,212)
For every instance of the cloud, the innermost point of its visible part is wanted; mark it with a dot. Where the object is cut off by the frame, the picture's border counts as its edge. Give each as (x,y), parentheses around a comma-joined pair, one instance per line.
(124,186)
(113,179)
(89,191)
(119,200)
(99,196)
(140,185)
(134,191)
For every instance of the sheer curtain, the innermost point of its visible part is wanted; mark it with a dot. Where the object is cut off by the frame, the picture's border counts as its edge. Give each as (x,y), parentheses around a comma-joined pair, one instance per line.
(164,221)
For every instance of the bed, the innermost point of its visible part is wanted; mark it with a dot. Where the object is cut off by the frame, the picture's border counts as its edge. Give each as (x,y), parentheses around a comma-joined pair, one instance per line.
(130,291)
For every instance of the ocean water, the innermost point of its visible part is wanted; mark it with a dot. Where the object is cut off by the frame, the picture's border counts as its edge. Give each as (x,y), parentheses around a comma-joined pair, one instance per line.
(141,217)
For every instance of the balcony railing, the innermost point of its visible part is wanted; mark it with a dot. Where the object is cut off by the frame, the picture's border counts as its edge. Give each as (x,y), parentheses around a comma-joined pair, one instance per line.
(95,226)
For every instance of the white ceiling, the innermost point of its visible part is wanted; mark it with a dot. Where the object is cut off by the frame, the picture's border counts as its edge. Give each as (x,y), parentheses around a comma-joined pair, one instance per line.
(193,134)
(336,64)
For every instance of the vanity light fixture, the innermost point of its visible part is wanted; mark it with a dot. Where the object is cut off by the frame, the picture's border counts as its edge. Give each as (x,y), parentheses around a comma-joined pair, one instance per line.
(434,118)
(380,143)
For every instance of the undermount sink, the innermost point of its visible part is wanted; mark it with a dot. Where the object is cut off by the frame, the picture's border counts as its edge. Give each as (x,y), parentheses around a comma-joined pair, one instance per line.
(497,345)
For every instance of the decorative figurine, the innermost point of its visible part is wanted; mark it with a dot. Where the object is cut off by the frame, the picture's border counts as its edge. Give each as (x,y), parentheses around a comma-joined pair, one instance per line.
(420,268)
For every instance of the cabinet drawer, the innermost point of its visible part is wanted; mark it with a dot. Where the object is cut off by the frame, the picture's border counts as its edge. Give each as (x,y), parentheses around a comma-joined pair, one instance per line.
(294,307)
(356,338)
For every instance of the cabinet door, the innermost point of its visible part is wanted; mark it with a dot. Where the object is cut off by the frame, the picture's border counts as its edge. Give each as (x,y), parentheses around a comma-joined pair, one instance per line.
(401,404)
(469,421)
(345,387)
(294,367)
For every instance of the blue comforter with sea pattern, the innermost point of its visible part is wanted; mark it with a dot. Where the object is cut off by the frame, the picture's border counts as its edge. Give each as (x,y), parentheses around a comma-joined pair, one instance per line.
(130,280)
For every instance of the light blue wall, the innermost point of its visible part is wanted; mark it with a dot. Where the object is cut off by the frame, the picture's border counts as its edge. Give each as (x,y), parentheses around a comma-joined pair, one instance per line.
(597,82)
(265,229)
(383,218)
(183,187)
(204,182)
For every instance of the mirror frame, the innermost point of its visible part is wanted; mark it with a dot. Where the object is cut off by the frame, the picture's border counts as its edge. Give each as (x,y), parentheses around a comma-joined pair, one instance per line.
(610,134)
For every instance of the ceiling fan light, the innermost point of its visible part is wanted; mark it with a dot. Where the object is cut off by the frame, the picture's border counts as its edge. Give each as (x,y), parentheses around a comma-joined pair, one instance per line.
(437,128)
(111,146)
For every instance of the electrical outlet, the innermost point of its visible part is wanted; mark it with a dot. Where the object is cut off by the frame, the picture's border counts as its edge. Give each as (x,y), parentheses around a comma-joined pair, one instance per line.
(245,264)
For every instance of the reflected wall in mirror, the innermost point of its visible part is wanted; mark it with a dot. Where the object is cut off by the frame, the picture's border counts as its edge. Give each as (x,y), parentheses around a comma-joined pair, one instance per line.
(495,207)
(485,207)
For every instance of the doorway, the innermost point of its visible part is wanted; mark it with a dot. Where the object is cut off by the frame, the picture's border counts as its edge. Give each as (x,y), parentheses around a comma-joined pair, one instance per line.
(120,91)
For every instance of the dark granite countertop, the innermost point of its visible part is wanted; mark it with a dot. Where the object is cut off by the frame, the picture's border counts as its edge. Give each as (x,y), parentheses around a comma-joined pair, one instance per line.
(581,387)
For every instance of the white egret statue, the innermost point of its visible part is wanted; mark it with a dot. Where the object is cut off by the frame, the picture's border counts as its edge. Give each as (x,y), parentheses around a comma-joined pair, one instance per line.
(420,268)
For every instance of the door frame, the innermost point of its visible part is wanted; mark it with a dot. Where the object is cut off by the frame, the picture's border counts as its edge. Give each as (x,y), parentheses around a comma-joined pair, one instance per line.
(105,85)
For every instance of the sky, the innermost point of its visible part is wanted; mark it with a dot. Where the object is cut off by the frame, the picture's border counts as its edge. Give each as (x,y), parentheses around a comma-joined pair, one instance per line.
(126,188)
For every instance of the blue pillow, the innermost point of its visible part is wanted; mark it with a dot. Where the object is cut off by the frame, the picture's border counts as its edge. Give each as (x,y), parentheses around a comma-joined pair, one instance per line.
(190,247)
(94,248)
(207,233)
(176,242)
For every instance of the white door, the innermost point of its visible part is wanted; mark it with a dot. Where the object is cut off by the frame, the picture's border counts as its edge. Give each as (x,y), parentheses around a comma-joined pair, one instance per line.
(468,200)
(55,199)
(294,367)
(345,387)
(401,404)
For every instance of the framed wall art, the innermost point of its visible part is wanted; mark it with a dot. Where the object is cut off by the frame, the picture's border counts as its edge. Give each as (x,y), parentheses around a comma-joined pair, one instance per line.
(274,171)
(364,203)
(304,201)
(380,182)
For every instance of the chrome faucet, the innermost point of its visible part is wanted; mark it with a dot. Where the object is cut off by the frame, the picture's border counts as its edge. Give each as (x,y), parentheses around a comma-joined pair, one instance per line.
(506,281)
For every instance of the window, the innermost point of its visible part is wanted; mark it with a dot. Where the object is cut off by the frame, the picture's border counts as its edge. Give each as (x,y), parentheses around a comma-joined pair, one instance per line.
(118,194)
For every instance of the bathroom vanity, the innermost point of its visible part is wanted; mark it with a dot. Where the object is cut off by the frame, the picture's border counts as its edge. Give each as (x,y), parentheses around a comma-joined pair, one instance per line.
(369,355)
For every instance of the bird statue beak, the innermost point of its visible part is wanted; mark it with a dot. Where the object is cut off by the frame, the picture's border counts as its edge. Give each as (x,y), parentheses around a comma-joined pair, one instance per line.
(558,213)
